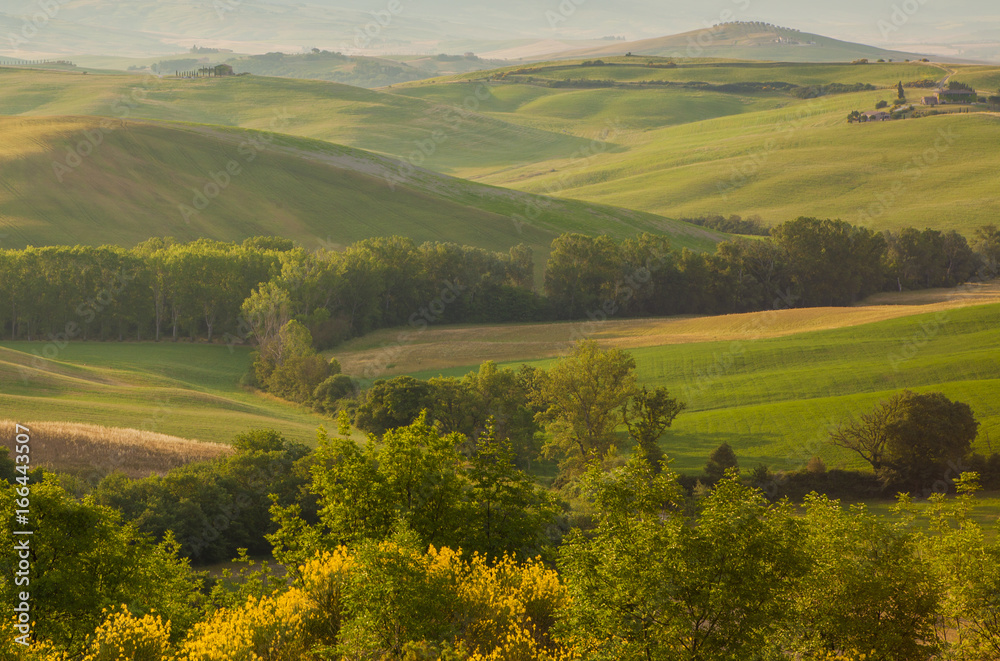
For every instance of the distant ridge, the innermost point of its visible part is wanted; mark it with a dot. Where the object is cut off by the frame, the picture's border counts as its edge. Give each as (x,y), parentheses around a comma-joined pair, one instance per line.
(746,41)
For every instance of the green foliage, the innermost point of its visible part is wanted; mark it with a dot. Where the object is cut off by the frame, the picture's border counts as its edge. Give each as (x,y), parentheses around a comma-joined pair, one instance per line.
(720,461)
(490,398)
(85,558)
(930,434)
(7,466)
(832,262)
(508,513)
(405,604)
(911,440)
(650,584)
(867,587)
(647,416)
(416,477)
(734,224)
(392,403)
(215,508)
(582,273)
(965,567)
(582,397)
(918,260)
(988,245)
(297,369)
(330,395)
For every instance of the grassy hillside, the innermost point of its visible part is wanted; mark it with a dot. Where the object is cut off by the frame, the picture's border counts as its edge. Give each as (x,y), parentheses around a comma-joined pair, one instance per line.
(780,397)
(680,151)
(749,41)
(646,69)
(132,184)
(672,152)
(801,159)
(591,113)
(186,390)
(459,346)
(770,384)
(316,109)
(986,79)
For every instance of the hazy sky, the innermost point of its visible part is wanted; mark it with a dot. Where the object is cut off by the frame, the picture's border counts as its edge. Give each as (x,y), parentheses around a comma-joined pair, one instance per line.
(137,26)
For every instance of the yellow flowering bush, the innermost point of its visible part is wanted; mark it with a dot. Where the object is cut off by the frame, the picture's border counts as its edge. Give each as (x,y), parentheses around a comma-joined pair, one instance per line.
(510,607)
(266,629)
(322,579)
(124,637)
(41,650)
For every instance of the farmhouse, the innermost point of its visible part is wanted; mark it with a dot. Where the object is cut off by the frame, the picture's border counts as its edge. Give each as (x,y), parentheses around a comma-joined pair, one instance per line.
(929,101)
(877,116)
(956,96)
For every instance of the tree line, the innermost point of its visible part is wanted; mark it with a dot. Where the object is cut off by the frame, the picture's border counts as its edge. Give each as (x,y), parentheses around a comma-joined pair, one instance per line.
(238,292)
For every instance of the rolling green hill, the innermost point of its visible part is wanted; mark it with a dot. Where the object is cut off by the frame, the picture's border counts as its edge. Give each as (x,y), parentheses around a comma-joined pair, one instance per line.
(774,395)
(688,149)
(770,384)
(133,183)
(665,150)
(185,390)
(635,69)
(804,159)
(316,109)
(748,41)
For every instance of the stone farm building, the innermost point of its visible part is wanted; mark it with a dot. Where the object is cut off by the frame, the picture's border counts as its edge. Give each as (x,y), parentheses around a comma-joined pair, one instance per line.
(877,116)
(956,96)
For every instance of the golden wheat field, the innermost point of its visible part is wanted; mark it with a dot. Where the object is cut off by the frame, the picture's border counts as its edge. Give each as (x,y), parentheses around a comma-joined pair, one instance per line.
(400,351)
(95,450)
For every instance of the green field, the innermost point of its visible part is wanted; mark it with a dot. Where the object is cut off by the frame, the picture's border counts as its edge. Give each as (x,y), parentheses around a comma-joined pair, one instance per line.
(183,389)
(774,399)
(588,113)
(635,70)
(800,159)
(673,152)
(986,512)
(682,152)
(132,184)
(337,113)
